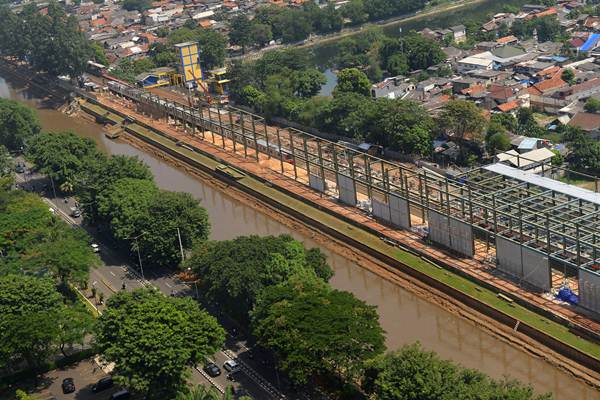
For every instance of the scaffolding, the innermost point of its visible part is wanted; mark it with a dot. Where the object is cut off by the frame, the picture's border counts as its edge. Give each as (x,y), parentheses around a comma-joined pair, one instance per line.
(530,223)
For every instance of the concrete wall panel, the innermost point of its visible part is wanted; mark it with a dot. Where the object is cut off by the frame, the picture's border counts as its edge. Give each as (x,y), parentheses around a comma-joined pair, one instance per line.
(508,254)
(461,237)
(399,212)
(536,269)
(347,190)
(589,290)
(438,228)
(316,182)
(381,210)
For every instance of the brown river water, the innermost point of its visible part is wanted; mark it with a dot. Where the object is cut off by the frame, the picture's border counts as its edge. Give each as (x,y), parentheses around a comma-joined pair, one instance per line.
(405,317)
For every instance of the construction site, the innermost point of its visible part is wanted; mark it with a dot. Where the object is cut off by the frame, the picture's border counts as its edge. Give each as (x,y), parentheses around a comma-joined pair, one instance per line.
(524,234)
(538,233)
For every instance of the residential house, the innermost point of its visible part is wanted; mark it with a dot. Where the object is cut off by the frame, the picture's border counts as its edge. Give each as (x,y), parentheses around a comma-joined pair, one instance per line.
(459,33)
(588,122)
(507,41)
(541,95)
(481,61)
(392,88)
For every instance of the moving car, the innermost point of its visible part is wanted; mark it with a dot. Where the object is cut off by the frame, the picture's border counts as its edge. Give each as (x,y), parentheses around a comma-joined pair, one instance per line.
(231,366)
(103,384)
(95,248)
(68,386)
(212,370)
(20,168)
(75,212)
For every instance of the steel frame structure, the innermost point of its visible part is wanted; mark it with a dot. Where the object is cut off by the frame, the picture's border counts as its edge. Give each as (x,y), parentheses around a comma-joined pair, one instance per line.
(565,228)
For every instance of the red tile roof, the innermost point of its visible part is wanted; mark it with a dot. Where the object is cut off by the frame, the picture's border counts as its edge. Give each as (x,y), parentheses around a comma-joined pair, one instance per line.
(547,85)
(506,39)
(586,121)
(506,107)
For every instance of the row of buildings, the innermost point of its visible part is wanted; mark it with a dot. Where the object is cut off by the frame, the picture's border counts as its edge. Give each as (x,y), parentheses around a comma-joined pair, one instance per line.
(505,74)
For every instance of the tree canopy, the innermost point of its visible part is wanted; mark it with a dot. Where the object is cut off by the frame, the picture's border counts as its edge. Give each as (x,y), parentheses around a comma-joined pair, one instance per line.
(18,124)
(29,307)
(352,80)
(234,272)
(315,330)
(412,373)
(51,42)
(462,120)
(154,340)
(61,155)
(34,241)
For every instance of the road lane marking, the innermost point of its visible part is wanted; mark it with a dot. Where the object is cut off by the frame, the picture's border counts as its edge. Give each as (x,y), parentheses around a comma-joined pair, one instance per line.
(112,273)
(167,283)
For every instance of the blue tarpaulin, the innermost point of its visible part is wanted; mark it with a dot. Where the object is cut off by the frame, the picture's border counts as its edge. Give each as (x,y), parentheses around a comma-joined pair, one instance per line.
(590,44)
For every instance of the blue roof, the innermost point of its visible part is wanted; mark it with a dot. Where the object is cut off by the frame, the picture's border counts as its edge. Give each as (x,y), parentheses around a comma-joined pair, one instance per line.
(528,143)
(590,44)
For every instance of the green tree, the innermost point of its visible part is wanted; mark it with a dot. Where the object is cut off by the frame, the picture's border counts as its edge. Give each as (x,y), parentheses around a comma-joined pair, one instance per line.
(213,46)
(18,124)
(235,271)
(167,213)
(508,121)
(421,52)
(261,34)
(355,11)
(7,168)
(75,324)
(592,105)
(61,155)
(352,80)
(29,307)
(100,173)
(201,392)
(498,142)
(139,5)
(240,31)
(403,126)
(123,205)
(568,76)
(98,54)
(526,123)
(64,252)
(315,330)
(462,120)
(308,82)
(154,340)
(412,373)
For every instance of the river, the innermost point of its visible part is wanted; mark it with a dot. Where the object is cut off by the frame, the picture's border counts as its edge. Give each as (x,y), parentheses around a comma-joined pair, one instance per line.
(405,317)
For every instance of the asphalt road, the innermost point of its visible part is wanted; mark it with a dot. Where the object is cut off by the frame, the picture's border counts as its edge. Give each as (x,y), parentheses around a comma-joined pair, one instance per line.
(257,377)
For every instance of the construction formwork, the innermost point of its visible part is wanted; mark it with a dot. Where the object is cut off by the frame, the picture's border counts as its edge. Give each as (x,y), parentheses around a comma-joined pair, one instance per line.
(530,222)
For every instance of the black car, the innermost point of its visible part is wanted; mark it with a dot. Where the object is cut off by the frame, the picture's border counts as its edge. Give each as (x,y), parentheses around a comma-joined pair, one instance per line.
(103,384)
(68,386)
(20,168)
(212,370)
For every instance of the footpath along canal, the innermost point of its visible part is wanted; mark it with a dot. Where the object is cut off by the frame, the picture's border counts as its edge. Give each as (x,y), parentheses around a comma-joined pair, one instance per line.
(405,316)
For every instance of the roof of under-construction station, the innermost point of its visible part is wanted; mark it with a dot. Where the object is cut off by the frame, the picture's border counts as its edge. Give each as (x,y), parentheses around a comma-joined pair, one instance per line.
(545,214)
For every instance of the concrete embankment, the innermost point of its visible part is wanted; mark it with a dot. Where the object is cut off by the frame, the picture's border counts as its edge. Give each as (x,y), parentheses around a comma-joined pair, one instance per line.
(457,288)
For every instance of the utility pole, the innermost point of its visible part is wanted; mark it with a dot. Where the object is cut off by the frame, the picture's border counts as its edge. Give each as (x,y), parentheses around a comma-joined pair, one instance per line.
(139,257)
(180,245)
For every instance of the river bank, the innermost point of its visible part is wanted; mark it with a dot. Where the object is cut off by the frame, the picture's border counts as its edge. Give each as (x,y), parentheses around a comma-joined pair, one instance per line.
(453,339)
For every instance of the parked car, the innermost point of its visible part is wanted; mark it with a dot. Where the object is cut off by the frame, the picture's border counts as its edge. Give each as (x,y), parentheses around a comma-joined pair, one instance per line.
(20,168)
(212,370)
(103,384)
(120,395)
(95,248)
(75,212)
(231,366)
(68,386)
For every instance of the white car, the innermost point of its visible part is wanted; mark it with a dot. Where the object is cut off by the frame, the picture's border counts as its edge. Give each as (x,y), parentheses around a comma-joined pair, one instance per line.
(231,366)
(95,248)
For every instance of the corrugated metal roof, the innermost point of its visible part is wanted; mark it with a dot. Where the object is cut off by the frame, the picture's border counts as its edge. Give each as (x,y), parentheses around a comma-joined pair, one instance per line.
(546,183)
